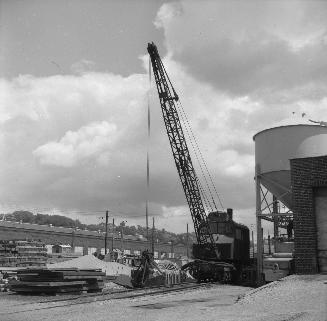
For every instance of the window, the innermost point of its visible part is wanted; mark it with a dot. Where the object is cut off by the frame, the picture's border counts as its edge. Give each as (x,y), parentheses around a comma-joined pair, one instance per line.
(137,252)
(127,251)
(229,229)
(221,228)
(156,254)
(238,234)
(213,227)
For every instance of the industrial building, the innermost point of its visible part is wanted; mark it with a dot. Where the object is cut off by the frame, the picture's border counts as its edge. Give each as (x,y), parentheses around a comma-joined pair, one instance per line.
(291,191)
(87,242)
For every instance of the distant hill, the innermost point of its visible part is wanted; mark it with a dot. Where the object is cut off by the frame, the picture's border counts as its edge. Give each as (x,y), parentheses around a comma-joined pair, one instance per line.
(64,221)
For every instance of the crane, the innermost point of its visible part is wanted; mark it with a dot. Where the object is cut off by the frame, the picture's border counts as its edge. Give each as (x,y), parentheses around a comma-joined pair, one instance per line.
(190,182)
(201,269)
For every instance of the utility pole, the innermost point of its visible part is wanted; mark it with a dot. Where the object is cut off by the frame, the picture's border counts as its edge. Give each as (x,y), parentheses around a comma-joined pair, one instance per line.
(258,221)
(148,174)
(187,249)
(275,217)
(122,239)
(106,234)
(113,235)
(252,244)
(152,249)
(73,240)
(263,243)
(147,223)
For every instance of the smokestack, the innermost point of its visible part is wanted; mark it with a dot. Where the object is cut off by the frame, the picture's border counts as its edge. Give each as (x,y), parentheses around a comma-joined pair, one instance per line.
(229,214)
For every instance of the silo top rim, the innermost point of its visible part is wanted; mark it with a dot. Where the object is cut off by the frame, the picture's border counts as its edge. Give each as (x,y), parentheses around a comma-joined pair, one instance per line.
(284,126)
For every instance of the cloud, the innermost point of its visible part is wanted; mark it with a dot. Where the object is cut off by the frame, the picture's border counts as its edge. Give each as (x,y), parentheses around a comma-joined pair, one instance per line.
(79,142)
(67,138)
(82,66)
(259,49)
(87,142)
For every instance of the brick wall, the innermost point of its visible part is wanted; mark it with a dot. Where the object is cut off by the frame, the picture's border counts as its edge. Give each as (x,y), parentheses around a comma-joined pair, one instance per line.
(306,175)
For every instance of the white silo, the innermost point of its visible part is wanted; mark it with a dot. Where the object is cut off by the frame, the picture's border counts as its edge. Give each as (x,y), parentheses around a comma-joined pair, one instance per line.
(274,148)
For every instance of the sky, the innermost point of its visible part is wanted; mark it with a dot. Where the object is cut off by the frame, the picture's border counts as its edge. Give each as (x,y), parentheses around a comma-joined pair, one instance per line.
(75,86)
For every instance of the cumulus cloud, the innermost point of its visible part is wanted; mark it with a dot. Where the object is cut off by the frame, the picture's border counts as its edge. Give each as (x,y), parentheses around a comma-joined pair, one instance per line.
(87,142)
(79,141)
(82,66)
(255,48)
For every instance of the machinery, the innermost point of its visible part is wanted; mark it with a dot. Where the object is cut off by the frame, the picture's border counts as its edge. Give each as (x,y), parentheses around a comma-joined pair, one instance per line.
(280,263)
(147,273)
(207,249)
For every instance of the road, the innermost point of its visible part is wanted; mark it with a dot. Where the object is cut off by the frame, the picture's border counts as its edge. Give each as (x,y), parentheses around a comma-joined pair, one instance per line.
(295,298)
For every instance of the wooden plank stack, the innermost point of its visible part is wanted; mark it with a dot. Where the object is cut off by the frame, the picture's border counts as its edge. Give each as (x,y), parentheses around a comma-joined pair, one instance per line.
(53,281)
(22,253)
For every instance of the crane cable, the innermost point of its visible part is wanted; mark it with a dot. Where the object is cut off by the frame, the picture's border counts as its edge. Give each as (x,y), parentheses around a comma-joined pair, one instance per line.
(207,203)
(188,130)
(148,159)
(187,125)
(197,148)
(205,198)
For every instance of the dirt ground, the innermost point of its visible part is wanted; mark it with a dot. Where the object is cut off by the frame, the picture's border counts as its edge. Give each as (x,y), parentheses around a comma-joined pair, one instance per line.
(294,298)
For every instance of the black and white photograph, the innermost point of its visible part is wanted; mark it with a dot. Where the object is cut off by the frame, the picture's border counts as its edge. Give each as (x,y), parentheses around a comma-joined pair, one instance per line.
(163,160)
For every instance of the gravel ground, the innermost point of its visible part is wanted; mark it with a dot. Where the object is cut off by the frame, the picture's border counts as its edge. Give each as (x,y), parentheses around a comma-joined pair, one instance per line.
(294,298)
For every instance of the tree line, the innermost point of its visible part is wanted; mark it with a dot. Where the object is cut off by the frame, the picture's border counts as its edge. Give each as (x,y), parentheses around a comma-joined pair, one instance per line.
(159,235)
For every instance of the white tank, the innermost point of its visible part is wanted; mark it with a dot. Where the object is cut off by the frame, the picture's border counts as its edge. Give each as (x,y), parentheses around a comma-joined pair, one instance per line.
(274,147)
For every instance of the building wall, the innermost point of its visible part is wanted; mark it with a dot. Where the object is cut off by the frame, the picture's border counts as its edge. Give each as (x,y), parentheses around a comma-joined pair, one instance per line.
(306,175)
(80,239)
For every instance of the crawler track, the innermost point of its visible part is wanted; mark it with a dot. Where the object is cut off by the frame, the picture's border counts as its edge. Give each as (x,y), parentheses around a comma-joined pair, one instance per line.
(97,297)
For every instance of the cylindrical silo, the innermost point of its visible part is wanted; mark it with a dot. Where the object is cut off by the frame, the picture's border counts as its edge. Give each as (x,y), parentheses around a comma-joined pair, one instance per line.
(274,147)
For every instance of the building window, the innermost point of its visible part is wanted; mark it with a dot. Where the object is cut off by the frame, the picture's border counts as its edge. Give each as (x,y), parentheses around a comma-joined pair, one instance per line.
(221,228)
(127,251)
(238,234)
(137,252)
(79,249)
(156,254)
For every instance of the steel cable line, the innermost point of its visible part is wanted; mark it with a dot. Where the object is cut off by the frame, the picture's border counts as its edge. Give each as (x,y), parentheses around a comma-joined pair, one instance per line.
(185,122)
(202,158)
(204,195)
(186,126)
(197,151)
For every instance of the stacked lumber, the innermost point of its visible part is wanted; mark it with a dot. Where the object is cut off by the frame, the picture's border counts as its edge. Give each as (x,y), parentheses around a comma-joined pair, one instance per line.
(22,253)
(53,281)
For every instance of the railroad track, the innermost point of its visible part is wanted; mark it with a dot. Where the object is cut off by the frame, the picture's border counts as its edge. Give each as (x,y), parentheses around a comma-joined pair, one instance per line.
(98,297)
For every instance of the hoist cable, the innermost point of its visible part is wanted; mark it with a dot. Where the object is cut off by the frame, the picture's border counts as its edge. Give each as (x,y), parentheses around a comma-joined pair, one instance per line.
(198,160)
(148,159)
(202,158)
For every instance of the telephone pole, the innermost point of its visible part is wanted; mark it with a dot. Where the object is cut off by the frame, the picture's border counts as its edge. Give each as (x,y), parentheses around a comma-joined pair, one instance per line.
(152,248)
(106,235)
(187,249)
(113,235)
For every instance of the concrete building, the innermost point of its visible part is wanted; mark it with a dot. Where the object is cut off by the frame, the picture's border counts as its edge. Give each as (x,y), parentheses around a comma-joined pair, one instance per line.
(61,248)
(86,242)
